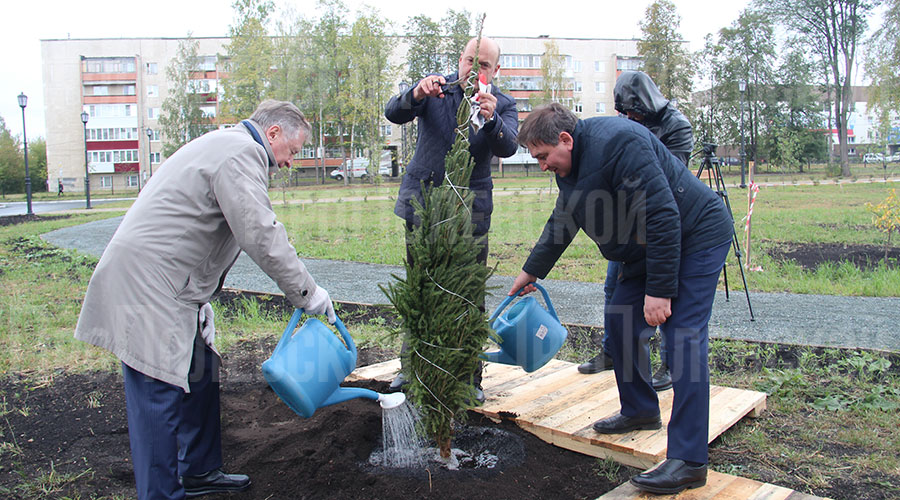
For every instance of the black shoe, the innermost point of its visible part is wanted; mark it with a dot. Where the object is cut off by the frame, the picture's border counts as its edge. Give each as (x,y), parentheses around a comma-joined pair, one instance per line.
(214,481)
(620,424)
(398,383)
(671,477)
(597,364)
(662,379)
(479,395)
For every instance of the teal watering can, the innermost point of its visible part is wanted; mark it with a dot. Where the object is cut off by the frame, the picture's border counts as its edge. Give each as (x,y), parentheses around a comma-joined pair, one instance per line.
(531,335)
(306,368)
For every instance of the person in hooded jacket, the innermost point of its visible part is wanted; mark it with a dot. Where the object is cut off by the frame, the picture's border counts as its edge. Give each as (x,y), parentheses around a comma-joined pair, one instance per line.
(638,98)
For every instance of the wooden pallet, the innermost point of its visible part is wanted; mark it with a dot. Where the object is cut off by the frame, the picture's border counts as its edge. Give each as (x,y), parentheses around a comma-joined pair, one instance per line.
(559,405)
(719,487)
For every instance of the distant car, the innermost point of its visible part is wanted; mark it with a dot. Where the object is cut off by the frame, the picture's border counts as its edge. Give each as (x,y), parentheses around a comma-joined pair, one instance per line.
(873,158)
(359,167)
(894,157)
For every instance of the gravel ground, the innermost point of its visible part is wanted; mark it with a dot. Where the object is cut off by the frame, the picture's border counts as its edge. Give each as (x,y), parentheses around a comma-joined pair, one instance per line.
(865,322)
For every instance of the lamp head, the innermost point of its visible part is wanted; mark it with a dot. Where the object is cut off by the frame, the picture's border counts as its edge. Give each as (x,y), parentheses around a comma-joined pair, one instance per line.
(23,100)
(84,117)
(149,132)
(742,85)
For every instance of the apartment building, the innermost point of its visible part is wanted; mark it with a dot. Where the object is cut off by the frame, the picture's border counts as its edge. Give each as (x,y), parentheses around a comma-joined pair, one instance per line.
(119,86)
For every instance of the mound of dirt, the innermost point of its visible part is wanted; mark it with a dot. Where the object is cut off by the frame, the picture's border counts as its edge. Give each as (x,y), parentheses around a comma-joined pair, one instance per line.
(76,426)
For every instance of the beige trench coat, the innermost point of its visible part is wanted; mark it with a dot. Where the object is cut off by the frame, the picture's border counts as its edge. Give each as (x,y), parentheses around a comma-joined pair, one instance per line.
(172,250)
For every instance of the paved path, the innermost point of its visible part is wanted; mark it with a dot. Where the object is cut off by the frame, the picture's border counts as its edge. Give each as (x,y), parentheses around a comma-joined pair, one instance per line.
(820,320)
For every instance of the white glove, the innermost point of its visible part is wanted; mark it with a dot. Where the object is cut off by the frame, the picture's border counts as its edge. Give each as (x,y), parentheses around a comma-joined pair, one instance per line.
(320,303)
(207,327)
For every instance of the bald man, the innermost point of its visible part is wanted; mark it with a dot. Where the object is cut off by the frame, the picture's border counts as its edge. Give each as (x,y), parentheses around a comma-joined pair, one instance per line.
(434,103)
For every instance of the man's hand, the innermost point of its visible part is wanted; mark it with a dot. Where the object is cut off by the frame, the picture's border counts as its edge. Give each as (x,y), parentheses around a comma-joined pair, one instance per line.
(207,326)
(657,309)
(320,303)
(430,86)
(521,280)
(488,103)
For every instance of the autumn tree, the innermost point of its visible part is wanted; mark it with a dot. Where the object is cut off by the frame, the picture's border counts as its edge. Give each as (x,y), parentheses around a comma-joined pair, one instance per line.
(666,60)
(182,118)
(831,29)
(12,163)
(554,83)
(882,61)
(248,59)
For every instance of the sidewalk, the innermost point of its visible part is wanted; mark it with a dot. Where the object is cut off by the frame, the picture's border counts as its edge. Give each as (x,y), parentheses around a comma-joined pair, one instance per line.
(818,320)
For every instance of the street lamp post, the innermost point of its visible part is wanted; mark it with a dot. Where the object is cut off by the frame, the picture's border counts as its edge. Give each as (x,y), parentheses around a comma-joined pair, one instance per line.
(742,85)
(149,153)
(23,101)
(87,178)
(403,88)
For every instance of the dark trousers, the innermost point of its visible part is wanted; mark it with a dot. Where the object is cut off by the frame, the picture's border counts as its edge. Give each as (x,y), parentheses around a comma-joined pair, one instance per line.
(687,349)
(613,269)
(173,433)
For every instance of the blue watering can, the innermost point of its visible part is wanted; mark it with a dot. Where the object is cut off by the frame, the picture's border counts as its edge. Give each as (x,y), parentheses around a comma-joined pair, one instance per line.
(531,334)
(306,369)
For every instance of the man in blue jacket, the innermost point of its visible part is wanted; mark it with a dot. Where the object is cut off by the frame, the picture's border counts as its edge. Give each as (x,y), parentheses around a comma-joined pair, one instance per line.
(622,187)
(434,101)
(638,98)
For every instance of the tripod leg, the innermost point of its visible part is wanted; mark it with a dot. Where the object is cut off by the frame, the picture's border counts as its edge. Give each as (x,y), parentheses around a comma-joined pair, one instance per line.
(723,192)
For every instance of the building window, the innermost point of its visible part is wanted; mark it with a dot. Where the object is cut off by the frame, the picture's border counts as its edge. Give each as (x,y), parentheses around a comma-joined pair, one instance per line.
(600,107)
(578,87)
(152,68)
(131,181)
(599,67)
(155,136)
(208,111)
(152,90)
(578,108)
(153,113)
(154,157)
(106,181)
(385,130)
(308,152)
(128,90)
(576,66)
(599,87)
(206,63)
(101,90)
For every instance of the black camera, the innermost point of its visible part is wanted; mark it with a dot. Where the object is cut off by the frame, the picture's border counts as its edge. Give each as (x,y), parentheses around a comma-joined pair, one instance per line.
(709,149)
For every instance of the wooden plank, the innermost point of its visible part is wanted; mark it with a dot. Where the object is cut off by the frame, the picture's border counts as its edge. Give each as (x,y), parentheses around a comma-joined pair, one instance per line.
(587,448)
(526,392)
(718,487)
(556,401)
(382,372)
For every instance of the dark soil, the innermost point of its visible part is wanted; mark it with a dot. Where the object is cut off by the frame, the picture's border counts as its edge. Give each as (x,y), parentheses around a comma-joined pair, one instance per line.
(812,255)
(75,427)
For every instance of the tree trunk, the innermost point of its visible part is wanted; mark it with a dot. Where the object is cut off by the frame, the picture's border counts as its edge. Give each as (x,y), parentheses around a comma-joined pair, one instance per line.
(445,449)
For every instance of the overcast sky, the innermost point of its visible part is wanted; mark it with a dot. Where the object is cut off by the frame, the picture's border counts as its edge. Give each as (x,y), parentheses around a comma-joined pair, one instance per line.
(26,22)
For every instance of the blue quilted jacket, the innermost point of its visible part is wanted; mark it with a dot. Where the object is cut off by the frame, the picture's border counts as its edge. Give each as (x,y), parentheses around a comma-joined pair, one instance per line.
(436,123)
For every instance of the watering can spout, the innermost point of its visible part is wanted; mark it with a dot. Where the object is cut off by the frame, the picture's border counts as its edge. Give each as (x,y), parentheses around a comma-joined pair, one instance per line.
(499,357)
(342,394)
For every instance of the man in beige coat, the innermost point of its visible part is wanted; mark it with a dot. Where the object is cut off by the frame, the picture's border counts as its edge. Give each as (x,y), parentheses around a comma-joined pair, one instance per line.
(167,259)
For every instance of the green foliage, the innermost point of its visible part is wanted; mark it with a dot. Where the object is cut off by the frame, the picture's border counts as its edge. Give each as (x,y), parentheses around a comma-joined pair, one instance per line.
(665,58)
(553,76)
(882,61)
(439,300)
(181,118)
(248,59)
(886,217)
(12,163)
(424,54)
(37,164)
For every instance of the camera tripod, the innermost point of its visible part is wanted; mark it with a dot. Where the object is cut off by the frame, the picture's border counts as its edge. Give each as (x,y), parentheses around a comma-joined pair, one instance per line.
(711,164)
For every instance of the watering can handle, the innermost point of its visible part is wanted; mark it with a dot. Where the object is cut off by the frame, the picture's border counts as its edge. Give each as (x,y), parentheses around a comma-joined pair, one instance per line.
(512,297)
(295,319)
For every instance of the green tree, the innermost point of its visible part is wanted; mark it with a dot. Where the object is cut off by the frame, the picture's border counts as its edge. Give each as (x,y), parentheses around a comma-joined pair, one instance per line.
(181,119)
(882,61)
(424,54)
(37,163)
(438,301)
(368,83)
(12,163)
(746,52)
(554,83)
(457,32)
(662,48)
(248,57)
(832,29)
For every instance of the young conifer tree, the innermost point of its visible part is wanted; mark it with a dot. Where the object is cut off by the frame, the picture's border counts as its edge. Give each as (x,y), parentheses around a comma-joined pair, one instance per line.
(439,301)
